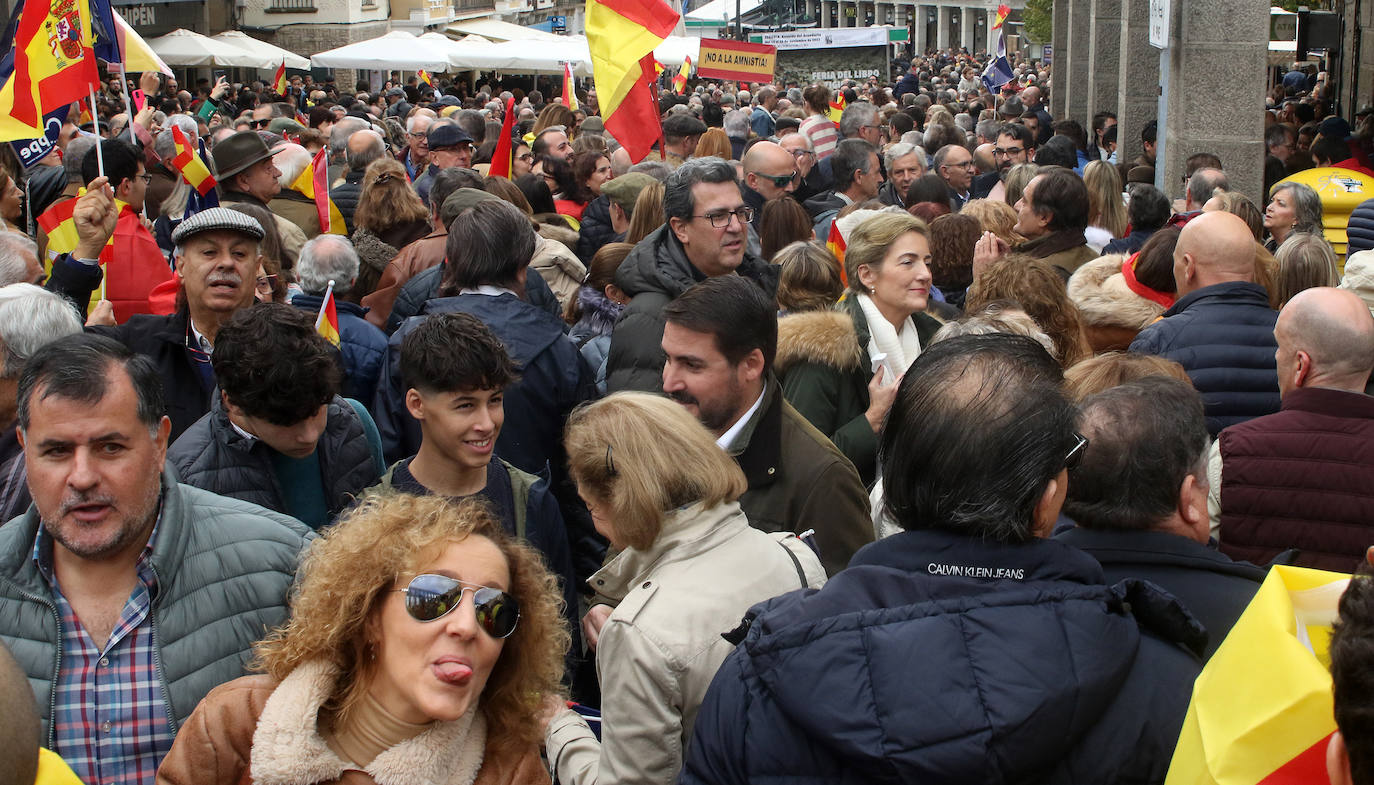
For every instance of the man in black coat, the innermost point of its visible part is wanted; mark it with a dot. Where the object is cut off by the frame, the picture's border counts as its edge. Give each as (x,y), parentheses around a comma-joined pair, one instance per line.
(1139,499)
(217,265)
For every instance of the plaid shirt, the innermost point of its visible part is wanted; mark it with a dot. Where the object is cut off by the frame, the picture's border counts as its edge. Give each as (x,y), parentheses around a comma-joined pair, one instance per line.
(111,721)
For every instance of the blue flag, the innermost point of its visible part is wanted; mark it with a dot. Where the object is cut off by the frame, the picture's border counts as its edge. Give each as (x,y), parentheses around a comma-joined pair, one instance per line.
(998,71)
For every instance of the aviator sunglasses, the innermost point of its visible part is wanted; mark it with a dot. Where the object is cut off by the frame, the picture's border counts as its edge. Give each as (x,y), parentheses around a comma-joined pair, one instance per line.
(431,597)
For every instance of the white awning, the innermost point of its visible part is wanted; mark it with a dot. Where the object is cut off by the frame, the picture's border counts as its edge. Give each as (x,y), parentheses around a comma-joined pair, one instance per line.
(497,30)
(397,50)
(722,11)
(184,48)
(272,53)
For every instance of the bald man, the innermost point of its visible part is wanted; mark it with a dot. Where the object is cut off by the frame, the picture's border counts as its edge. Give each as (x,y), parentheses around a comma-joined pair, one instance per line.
(770,171)
(1300,479)
(1221,328)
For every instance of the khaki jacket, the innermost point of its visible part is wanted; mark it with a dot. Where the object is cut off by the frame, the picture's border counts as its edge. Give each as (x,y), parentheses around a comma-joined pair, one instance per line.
(256,730)
(662,644)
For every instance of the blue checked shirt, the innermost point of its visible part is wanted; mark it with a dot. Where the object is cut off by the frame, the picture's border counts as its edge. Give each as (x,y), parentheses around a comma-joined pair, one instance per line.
(110,721)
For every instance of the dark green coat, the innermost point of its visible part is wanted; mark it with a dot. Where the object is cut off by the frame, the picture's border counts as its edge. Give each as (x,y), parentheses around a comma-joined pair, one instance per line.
(823,363)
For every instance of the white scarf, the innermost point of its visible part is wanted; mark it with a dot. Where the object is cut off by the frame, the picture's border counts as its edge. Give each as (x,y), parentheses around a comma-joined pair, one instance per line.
(901,349)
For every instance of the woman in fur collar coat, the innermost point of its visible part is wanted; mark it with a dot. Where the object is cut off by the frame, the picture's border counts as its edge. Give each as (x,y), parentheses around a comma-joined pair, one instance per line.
(422,644)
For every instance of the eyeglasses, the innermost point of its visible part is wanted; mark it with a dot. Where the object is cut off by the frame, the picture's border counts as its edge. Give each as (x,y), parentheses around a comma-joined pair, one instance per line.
(801,153)
(721,218)
(430,598)
(964,165)
(266,281)
(1075,455)
(260,123)
(527,158)
(778,180)
(146,178)
(1010,151)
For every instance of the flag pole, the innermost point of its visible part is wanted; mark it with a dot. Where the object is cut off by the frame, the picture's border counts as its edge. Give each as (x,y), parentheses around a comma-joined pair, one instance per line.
(128,101)
(324,303)
(95,123)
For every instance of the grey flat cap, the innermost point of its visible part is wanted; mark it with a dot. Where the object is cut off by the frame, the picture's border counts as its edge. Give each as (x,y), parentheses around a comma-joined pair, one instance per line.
(218,219)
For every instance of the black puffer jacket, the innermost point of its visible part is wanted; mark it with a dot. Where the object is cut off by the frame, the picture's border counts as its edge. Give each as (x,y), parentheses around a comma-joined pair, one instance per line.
(655,272)
(186,375)
(596,228)
(1223,336)
(937,658)
(213,456)
(345,196)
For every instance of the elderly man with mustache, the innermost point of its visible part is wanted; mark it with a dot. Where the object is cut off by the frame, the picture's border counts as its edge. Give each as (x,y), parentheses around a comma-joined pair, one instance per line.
(217,260)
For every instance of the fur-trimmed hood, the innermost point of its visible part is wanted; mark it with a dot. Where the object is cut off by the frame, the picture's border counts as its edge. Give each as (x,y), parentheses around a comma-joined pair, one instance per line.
(562,234)
(1099,290)
(822,337)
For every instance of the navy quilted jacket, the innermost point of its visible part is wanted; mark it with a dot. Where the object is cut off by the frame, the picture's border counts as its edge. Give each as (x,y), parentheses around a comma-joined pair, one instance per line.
(1223,336)
(937,658)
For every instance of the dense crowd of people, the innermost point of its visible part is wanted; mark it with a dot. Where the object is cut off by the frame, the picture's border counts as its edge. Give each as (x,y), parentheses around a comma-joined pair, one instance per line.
(924,442)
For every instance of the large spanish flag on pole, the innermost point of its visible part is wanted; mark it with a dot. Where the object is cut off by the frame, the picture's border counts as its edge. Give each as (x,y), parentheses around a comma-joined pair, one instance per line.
(53,64)
(1261,710)
(621,35)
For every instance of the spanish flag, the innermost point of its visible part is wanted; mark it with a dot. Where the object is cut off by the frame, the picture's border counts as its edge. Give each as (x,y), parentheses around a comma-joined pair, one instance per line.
(1003,11)
(501,163)
(836,245)
(621,35)
(313,183)
(424,77)
(680,81)
(1261,711)
(836,108)
(279,81)
(53,64)
(569,92)
(188,162)
(327,323)
(57,223)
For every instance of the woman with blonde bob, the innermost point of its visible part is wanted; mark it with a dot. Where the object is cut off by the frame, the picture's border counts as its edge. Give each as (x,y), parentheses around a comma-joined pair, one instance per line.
(389,217)
(422,643)
(689,566)
(841,368)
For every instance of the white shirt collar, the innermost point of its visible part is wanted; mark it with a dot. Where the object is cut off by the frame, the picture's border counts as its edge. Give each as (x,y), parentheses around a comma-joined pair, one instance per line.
(728,438)
(202,342)
(488,290)
(241,432)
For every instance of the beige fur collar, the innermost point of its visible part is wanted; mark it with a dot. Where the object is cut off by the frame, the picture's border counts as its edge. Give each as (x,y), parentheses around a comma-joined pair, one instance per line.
(821,337)
(1103,299)
(289,750)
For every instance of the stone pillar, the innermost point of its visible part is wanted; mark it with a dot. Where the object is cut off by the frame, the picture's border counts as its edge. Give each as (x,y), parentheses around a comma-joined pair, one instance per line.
(993,35)
(1077,61)
(1104,54)
(922,42)
(967,30)
(1219,42)
(827,14)
(1060,62)
(1137,100)
(942,19)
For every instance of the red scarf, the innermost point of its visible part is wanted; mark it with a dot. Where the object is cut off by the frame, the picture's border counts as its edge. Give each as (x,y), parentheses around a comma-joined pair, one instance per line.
(1153,295)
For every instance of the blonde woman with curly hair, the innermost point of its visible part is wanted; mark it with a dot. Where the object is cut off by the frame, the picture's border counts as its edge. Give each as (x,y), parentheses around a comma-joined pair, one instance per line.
(997,217)
(689,566)
(422,643)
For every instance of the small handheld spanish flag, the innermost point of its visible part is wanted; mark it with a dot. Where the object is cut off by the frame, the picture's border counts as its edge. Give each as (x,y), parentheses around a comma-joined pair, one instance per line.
(836,108)
(189,163)
(1003,11)
(424,77)
(279,81)
(313,184)
(569,94)
(327,323)
(501,163)
(680,81)
(836,245)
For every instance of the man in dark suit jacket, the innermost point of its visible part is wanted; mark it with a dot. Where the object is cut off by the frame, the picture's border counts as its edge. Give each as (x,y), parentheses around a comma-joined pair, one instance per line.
(1139,499)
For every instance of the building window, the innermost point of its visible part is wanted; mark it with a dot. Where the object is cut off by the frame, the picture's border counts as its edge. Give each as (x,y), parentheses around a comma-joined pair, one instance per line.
(291,6)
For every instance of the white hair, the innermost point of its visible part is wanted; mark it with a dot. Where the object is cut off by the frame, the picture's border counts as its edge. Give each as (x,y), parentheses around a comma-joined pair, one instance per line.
(291,160)
(14,264)
(30,318)
(325,258)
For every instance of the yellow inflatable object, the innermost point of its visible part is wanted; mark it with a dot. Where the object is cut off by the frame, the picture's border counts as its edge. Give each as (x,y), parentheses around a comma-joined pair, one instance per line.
(1341,191)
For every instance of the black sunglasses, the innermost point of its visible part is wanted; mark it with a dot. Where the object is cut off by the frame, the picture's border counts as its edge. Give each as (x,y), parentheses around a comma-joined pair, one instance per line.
(1075,455)
(430,597)
(779,180)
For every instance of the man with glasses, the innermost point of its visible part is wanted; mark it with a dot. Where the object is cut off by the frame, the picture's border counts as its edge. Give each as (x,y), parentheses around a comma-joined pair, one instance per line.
(1080,681)
(415,155)
(954,164)
(705,235)
(1015,144)
(811,180)
(449,146)
(769,172)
